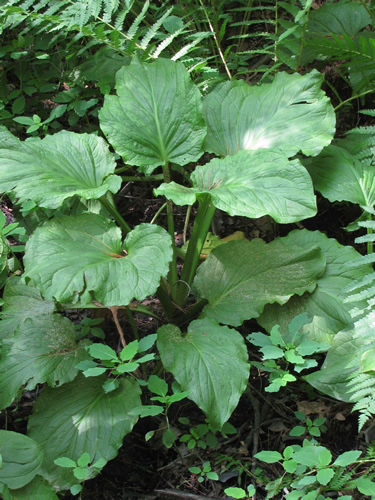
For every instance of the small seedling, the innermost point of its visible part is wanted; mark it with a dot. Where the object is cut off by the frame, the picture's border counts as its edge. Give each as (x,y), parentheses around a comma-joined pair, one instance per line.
(289,349)
(203,435)
(204,472)
(89,326)
(118,365)
(82,469)
(312,427)
(158,386)
(310,470)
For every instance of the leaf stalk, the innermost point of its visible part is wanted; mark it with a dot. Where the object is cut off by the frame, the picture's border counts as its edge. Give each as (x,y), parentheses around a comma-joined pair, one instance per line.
(206,212)
(115,214)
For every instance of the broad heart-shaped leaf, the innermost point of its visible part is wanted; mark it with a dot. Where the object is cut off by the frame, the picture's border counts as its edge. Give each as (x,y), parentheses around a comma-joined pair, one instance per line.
(156,116)
(339,175)
(325,304)
(21,459)
(80,417)
(251,184)
(42,350)
(239,278)
(291,114)
(21,302)
(210,362)
(81,257)
(58,167)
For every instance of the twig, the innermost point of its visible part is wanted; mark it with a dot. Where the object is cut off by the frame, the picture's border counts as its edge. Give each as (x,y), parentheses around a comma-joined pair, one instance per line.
(113,310)
(255,432)
(181,494)
(216,40)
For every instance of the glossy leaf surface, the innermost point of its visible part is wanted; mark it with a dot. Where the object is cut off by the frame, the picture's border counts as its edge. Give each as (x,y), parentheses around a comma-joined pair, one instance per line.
(21,459)
(240,116)
(80,417)
(325,305)
(239,278)
(156,116)
(42,350)
(203,363)
(82,257)
(58,167)
(251,184)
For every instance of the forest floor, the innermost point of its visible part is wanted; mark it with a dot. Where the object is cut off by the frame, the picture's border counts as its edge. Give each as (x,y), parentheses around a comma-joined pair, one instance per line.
(146,469)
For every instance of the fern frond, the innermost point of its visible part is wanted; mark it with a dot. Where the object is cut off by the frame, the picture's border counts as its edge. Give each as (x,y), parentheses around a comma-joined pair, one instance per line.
(367,293)
(370,129)
(110,7)
(137,21)
(359,384)
(355,285)
(104,22)
(340,479)
(167,41)
(362,389)
(366,237)
(368,112)
(188,48)
(366,259)
(151,32)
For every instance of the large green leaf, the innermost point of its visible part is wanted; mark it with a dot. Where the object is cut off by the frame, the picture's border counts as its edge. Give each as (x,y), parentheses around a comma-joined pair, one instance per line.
(339,175)
(21,459)
(80,417)
(156,117)
(210,362)
(42,350)
(252,184)
(21,302)
(38,489)
(270,116)
(240,277)
(58,167)
(4,251)
(340,18)
(82,257)
(325,305)
(343,358)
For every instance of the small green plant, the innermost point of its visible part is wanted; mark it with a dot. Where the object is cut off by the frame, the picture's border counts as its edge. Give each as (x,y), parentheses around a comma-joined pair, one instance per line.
(310,472)
(35,123)
(160,388)
(82,469)
(89,326)
(204,472)
(235,492)
(313,427)
(203,435)
(117,365)
(290,350)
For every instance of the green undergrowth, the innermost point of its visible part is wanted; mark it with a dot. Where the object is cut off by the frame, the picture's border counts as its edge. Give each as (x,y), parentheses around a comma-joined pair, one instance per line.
(221,108)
